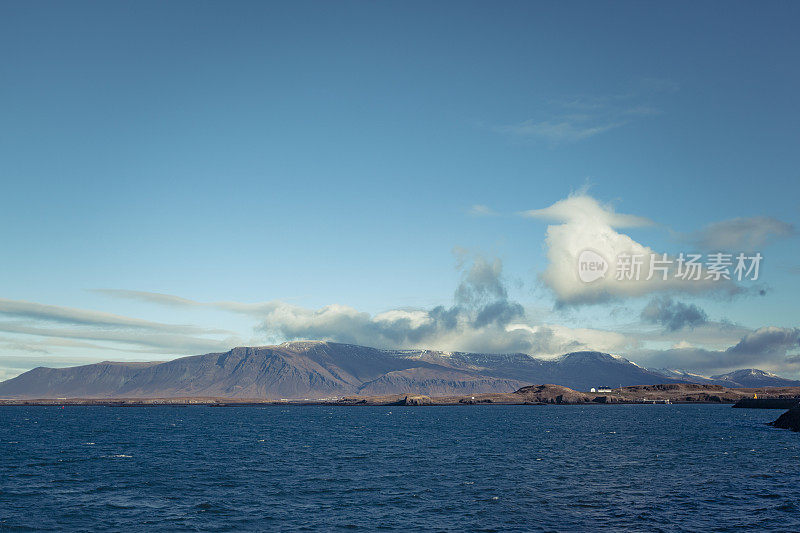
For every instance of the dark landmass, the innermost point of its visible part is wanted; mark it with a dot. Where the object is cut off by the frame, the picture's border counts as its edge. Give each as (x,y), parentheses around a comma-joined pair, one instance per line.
(788,420)
(313,371)
(767,403)
(529,395)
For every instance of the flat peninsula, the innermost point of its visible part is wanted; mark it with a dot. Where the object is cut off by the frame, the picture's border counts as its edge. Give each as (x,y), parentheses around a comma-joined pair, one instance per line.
(530,395)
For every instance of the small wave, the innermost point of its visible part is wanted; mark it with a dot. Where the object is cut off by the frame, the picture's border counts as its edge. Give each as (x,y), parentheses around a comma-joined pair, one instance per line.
(112,505)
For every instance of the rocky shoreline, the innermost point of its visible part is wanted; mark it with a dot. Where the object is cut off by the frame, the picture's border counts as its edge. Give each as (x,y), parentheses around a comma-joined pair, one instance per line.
(788,420)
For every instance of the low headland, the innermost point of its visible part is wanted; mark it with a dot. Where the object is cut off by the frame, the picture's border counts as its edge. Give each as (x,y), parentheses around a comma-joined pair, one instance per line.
(529,395)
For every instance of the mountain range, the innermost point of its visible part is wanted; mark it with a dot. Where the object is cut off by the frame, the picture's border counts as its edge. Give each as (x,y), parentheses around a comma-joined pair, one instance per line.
(318,369)
(743,378)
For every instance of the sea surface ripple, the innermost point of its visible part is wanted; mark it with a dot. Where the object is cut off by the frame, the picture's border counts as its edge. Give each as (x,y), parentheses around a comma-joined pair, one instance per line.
(481,468)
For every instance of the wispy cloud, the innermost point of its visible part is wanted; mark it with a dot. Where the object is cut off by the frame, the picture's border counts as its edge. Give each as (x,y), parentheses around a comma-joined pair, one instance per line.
(560,129)
(576,118)
(52,326)
(83,317)
(49,345)
(480,210)
(159,342)
(169,300)
(740,234)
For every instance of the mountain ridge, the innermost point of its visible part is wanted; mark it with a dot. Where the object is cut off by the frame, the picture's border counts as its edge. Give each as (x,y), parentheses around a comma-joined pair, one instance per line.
(321,369)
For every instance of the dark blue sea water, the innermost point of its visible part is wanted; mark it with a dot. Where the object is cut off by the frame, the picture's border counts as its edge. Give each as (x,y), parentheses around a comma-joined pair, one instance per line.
(484,468)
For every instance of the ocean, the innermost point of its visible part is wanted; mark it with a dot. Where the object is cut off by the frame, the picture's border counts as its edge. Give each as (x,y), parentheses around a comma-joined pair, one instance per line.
(320,468)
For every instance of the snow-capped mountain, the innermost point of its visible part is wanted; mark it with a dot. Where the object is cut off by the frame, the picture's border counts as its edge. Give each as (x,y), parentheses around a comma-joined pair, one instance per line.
(316,369)
(753,378)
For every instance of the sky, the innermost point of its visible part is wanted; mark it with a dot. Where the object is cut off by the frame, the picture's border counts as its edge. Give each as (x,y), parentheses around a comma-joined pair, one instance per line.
(186,177)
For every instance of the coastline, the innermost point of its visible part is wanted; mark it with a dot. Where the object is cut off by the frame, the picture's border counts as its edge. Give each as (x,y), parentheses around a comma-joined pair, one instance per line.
(531,395)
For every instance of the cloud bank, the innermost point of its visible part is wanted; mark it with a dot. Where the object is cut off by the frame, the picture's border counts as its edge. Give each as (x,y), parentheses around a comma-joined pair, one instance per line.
(769,348)
(481,319)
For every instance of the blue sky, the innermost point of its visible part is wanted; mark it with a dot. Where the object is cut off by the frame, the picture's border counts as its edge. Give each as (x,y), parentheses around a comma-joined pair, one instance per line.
(321,153)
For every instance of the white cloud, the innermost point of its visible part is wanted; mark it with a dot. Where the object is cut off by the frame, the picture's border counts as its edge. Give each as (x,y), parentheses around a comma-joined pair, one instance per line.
(555,340)
(583,223)
(581,207)
(682,345)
